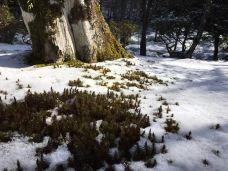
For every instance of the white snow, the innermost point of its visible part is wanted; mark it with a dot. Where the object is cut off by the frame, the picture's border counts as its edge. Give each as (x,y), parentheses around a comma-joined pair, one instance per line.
(19,149)
(60,156)
(200,88)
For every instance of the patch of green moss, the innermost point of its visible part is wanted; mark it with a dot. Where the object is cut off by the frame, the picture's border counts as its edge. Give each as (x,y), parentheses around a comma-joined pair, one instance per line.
(111,50)
(69,63)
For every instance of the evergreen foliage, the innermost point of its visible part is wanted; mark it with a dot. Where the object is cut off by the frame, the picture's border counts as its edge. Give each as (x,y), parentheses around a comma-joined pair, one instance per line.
(79,112)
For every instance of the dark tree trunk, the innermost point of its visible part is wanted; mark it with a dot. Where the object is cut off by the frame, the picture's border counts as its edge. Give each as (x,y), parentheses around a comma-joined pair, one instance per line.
(143,41)
(186,32)
(216,46)
(146,8)
(156,35)
(207,11)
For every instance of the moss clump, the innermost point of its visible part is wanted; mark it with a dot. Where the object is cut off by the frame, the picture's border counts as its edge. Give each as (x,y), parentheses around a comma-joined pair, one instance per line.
(69,63)
(111,50)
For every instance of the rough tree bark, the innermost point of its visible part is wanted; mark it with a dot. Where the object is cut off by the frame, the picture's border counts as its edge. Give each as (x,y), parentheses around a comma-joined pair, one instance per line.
(69,29)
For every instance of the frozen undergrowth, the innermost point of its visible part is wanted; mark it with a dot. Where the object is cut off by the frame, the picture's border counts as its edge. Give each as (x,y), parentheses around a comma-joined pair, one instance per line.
(200,88)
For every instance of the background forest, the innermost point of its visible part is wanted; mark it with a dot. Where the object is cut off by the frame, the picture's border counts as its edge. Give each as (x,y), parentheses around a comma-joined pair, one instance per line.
(180,25)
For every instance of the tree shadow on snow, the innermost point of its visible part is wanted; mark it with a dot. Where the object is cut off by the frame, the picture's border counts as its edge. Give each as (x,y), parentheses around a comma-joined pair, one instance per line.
(13,60)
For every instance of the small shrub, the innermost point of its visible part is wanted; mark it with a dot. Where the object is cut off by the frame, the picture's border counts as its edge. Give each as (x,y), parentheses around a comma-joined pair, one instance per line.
(76,83)
(117,86)
(171,126)
(216,152)
(87,76)
(189,136)
(3,92)
(151,163)
(159,112)
(161,98)
(19,85)
(165,103)
(168,110)
(217,126)
(110,77)
(93,67)
(132,84)
(127,166)
(79,112)
(98,77)
(102,83)
(205,162)
(104,71)
(164,149)
(170,161)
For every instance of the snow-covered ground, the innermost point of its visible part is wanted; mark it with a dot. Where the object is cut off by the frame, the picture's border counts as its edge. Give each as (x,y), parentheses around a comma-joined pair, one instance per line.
(200,88)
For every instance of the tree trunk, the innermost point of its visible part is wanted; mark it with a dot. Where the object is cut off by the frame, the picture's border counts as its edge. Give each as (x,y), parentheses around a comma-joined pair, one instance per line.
(146,8)
(143,41)
(186,32)
(69,29)
(207,11)
(156,35)
(216,46)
